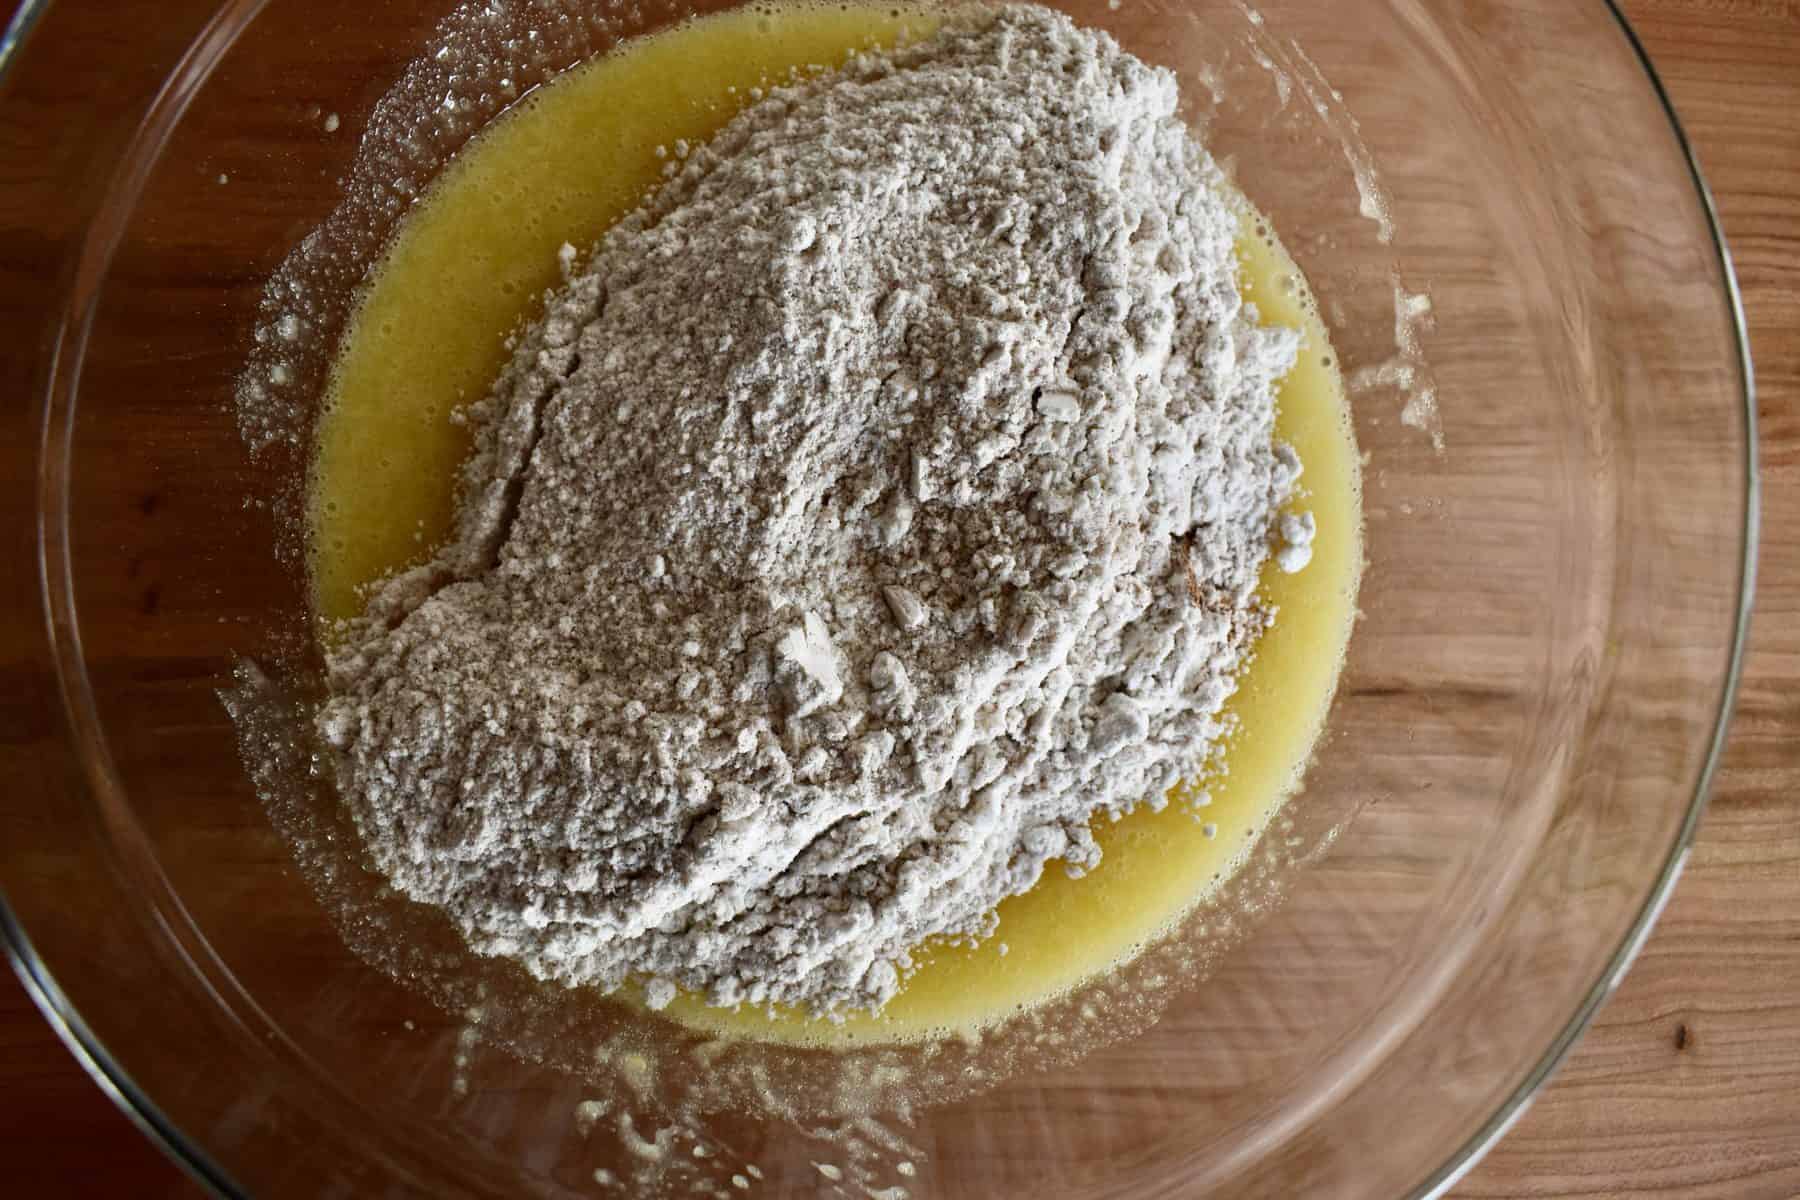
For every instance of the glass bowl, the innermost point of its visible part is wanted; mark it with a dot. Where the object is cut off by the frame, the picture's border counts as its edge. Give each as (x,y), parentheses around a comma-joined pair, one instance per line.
(1560,506)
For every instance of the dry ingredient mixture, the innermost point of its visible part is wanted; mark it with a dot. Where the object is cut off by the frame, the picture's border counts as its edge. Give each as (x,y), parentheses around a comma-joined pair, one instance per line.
(877,506)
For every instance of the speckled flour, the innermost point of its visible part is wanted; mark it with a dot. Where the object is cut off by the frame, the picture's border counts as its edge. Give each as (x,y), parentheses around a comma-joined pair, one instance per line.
(880,503)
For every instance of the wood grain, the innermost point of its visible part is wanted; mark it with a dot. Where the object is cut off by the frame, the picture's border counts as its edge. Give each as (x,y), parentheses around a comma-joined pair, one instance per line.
(1689,1084)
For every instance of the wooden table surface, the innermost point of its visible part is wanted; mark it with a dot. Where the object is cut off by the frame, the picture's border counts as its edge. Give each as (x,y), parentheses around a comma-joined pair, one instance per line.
(1689,1084)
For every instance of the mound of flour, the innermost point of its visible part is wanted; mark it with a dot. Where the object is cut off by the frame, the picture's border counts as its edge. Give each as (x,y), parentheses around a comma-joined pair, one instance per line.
(882,502)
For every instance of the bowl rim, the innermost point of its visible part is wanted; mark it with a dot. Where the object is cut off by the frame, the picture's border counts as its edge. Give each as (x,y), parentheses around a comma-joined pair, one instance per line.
(13,37)
(1467,1156)
(56,597)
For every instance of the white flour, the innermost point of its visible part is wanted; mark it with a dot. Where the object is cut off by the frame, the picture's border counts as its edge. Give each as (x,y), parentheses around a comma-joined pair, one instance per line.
(883,501)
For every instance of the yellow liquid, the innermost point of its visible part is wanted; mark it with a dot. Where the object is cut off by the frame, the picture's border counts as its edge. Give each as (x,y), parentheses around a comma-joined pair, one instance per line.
(471,262)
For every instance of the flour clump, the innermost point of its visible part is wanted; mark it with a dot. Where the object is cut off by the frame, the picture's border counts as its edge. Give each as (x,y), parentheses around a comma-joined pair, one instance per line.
(877,506)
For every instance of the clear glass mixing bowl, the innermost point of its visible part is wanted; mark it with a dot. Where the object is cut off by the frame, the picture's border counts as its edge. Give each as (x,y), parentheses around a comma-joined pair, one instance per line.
(1559,562)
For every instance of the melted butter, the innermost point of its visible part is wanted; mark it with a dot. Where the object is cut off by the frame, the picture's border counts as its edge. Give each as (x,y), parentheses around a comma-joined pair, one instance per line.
(471,262)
